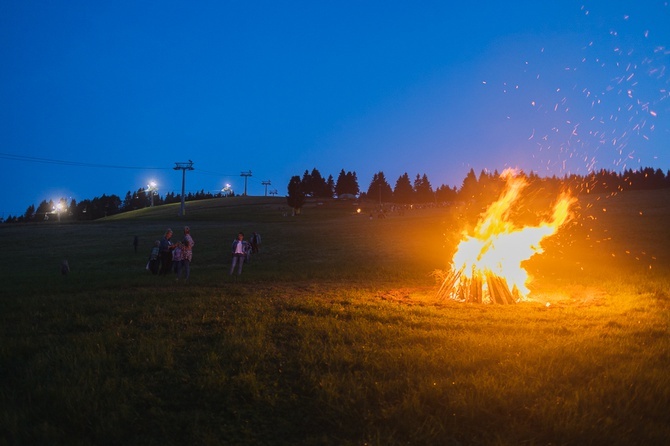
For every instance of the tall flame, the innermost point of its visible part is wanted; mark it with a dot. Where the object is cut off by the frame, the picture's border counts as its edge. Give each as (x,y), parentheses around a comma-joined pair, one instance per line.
(492,255)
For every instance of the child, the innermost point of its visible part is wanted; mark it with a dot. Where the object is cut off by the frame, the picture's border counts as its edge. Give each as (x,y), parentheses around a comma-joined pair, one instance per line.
(153,258)
(247,252)
(178,258)
(187,255)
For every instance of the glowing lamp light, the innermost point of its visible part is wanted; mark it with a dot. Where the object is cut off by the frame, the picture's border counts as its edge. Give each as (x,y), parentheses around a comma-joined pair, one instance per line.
(152,189)
(58,208)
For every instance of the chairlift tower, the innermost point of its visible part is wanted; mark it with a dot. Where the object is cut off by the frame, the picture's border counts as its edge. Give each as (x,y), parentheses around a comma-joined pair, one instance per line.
(246,175)
(183,167)
(266,184)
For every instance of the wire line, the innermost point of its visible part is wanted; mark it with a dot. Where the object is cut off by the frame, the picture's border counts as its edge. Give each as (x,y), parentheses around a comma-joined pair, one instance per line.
(33,159)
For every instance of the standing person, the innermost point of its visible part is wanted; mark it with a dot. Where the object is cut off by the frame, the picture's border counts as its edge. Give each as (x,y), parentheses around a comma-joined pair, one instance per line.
(247,253)
(165,249)
(255,242)
(136,241)
(187,252)
(64,267)
(178,258)
(154,260)
(239,253)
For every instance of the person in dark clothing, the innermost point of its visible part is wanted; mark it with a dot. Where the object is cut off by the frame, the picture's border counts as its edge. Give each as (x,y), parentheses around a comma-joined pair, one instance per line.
(255,242)
(165,250)
(154,258)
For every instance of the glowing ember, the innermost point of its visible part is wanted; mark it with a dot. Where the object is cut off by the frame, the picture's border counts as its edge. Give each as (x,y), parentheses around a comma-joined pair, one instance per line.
(487,265)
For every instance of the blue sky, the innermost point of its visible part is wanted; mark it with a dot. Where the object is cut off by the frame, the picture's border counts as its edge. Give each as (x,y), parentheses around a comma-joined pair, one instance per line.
(103,97)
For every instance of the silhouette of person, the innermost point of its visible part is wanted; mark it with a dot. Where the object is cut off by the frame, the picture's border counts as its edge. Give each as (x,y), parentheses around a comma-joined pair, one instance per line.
(166,248)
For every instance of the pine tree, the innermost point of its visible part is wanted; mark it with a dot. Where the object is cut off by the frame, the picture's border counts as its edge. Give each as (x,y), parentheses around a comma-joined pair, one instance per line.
(296,196)
(423,190)
(347,183)
(30,212)
(330,187)
(403,192)
(469,187)
(379,188)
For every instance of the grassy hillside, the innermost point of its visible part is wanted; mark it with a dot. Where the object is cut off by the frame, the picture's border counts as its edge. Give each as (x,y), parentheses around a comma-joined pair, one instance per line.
(333,334)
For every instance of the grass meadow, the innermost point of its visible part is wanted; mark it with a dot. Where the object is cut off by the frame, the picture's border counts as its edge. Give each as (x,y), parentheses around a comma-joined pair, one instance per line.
(333,334)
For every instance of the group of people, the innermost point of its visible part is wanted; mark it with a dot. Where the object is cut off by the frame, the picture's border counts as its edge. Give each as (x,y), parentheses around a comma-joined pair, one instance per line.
(167,257)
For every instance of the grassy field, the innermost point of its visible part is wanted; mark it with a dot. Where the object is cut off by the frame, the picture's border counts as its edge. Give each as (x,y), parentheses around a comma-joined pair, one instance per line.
(333,334)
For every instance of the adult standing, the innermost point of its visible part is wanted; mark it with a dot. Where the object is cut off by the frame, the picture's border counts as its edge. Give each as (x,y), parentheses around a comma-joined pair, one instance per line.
(240,247)
(165,249)
(187,254)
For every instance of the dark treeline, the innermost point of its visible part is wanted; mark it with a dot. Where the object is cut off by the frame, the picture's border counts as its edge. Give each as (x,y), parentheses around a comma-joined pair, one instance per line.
(483,187)
(405,191)
(103,206)
(601,182)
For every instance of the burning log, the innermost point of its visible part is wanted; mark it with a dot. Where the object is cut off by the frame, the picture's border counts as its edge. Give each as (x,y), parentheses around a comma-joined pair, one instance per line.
(499,291)
(458,286)
(476,292)
(449,285)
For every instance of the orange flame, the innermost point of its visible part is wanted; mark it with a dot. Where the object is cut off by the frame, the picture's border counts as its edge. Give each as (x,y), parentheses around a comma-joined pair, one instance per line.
(497,247)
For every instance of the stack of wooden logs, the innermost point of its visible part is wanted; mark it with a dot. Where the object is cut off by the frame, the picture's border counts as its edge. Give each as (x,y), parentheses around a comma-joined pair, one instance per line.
(458,286)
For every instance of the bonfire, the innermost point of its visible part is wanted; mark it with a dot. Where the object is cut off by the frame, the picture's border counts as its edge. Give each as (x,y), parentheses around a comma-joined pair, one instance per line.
(487,266)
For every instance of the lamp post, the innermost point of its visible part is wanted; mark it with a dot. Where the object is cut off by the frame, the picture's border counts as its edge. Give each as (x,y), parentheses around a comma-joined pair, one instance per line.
(59,209)
(152,188)
(380,195)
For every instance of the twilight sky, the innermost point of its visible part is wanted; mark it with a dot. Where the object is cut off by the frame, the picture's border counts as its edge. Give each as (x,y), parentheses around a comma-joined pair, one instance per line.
(103,97)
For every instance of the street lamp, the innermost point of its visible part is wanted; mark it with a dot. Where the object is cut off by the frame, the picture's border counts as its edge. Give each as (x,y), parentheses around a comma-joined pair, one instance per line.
(58,209)
(227,190)
(152,188)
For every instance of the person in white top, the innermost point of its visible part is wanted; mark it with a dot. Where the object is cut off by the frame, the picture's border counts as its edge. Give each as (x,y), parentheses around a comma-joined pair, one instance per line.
(239,253)
(187,252)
